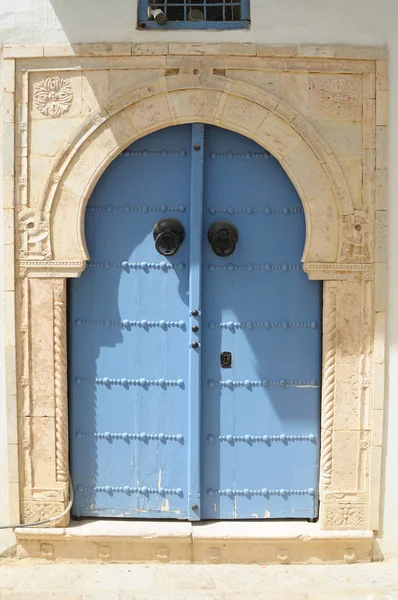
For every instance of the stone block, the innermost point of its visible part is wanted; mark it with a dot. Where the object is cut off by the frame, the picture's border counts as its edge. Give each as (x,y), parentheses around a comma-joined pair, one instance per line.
(8,150)
(323,234)
(9,320)
(66,245)
(9,267)
(369,85)
(312,179)
(95,90)
(377,427)
(380,337)
(360,52)
(7,100)
(152,48)
(352,169)
(8,225)
(48,135)
(382,107)
(10,364)
(43,451)
(381,75)
(239,110)
(122,81)
(276,51)
(268,81)
(380,287)
(322,51)
(382,189)
(379,375)
(345,461)
(187,104)
(278,136)
(381,236)
(8,75)
(8,183)
(369,124)
(42,348)
(376,464)
(22,51)
(145,114)
(343,137)
(102,49)
(295,90)
(12,463)
(216,49)
(381,148)
(12,419)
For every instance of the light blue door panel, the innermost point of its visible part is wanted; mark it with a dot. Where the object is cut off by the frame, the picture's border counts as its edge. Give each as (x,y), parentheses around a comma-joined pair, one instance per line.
(158,428)
(260,418)
(129,339)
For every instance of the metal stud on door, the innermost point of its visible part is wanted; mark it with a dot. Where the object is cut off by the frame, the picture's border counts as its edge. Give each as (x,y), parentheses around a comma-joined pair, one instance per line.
(194,337)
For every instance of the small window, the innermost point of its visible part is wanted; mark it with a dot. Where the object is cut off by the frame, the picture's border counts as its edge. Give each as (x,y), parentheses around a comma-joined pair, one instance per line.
(193,14)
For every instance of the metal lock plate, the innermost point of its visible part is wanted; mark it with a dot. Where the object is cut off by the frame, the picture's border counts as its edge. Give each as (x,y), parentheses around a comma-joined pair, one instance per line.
(226,360)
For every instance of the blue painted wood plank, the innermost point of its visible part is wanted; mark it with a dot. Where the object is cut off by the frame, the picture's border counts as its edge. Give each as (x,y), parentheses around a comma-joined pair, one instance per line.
(128,382)
(260,419)
(195,304)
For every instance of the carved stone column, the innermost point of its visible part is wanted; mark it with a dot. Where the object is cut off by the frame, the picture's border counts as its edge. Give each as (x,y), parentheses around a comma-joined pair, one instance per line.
(347,361)
(43,401)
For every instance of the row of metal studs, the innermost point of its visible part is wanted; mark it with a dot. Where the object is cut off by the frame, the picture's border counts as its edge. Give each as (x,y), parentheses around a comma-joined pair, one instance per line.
(247,155)
(262,492)
(153,153)
(125,489)
(126,323)
(263,383)
(161,437)
(251,267)
(124,381)
(254,211)
(262,438)
(135,208)
(266,324)
(144,266)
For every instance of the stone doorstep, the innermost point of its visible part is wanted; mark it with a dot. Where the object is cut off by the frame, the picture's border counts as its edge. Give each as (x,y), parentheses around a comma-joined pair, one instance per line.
(238,542)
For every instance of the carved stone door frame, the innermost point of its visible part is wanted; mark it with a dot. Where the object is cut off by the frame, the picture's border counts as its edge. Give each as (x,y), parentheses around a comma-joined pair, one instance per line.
(67,114)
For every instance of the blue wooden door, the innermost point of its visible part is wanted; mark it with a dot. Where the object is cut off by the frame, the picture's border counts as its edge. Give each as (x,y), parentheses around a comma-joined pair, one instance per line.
(195,337)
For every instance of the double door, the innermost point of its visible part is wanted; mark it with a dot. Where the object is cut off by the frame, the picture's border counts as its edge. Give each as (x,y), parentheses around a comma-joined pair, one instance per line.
(194,337)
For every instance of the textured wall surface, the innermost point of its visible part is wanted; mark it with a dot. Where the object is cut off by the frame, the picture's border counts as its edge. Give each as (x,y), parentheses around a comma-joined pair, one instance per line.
(285,22)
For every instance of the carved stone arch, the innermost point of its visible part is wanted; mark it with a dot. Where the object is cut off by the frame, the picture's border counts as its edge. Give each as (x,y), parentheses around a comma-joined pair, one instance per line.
(234,105)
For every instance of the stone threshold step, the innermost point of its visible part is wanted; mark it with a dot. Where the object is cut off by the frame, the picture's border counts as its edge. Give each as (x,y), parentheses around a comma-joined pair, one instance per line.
(241,542)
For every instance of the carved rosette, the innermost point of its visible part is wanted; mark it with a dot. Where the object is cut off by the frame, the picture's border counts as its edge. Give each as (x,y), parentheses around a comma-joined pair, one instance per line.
(338,98)
(345,516)
(35,512)
(53,96)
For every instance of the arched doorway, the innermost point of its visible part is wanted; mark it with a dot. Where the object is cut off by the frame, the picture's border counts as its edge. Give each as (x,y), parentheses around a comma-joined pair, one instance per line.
(195,376)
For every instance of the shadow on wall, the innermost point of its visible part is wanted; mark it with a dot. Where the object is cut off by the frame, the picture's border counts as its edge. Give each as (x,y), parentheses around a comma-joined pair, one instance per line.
(96,20)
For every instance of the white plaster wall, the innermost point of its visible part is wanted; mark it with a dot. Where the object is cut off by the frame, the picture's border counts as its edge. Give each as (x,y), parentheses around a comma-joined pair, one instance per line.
(359,22)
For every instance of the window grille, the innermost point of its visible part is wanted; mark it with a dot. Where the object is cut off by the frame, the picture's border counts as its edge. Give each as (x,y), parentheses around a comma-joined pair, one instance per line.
(197,14)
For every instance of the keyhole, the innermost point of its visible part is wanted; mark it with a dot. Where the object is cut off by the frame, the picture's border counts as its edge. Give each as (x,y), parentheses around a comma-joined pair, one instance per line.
(226,360)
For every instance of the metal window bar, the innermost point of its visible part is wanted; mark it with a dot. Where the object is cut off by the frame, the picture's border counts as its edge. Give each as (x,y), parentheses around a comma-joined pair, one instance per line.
(201,11)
